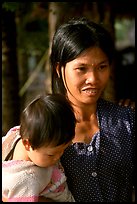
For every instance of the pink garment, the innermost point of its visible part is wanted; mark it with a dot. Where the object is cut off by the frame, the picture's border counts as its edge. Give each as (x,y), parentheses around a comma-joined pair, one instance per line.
(23,181)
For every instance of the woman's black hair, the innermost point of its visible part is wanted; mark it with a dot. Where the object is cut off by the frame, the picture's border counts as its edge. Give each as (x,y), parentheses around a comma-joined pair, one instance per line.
(70,40)
(48,120)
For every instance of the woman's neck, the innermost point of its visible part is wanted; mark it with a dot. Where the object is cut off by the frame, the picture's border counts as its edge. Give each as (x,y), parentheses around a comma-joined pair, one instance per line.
(85,112)
(87,123)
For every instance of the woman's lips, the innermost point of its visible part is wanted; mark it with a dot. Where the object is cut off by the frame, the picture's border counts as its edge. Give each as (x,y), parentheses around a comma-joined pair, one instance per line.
(90,91)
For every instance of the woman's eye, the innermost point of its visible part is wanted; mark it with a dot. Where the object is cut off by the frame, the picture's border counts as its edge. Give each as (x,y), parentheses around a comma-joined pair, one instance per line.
(102,67)
(81,68)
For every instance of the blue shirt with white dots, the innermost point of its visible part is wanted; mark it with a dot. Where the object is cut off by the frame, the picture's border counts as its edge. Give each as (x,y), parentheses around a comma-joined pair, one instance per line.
(103,171)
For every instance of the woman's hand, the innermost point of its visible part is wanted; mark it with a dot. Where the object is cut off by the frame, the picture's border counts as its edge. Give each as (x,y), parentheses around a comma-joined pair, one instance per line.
(127,102)
(4,199)
(44,199)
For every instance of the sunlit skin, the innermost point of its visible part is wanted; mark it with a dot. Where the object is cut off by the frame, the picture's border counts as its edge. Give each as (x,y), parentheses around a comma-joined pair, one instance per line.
(44,156)
(85,78)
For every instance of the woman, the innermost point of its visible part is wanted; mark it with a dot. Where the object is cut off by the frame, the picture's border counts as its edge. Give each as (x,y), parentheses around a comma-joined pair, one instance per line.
(99,165)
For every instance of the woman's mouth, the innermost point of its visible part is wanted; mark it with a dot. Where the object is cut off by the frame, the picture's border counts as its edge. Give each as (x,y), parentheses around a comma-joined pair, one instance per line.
(90,91)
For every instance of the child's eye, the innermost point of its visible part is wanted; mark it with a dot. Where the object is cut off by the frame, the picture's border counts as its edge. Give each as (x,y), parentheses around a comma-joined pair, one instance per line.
(50,155)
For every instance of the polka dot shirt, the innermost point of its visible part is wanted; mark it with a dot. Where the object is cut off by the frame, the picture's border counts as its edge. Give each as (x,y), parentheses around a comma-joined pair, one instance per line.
(103,171)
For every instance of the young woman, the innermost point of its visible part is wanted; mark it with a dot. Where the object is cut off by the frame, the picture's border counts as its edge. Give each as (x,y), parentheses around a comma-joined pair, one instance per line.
(99,164)
(31,170)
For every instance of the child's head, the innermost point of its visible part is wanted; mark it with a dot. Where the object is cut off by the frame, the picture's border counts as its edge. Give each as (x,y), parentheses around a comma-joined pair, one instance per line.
(47,127)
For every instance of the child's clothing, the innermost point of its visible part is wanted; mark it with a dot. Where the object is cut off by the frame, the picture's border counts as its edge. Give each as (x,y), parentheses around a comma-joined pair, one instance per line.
(23,181)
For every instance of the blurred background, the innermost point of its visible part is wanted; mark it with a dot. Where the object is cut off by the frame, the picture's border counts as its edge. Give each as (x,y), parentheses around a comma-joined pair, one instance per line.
(27,31)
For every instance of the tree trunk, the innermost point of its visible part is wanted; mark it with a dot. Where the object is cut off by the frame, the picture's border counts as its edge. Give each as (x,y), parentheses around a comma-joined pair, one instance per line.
(54,11)
(23,75)
(10,97)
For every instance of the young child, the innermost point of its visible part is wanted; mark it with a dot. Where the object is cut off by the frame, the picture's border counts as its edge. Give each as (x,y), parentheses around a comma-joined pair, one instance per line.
(31,170)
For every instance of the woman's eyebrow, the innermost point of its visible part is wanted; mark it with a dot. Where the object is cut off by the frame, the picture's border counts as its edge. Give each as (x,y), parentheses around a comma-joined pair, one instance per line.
(92,64)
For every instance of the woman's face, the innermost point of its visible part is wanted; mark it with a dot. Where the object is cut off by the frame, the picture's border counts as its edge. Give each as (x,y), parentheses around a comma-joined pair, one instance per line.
(86,76)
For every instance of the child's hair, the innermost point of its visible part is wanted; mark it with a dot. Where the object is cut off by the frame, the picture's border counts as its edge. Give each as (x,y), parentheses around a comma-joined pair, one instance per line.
(48,119)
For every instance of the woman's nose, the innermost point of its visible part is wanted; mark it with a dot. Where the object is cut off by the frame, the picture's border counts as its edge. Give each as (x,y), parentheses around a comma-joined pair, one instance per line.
(91,77)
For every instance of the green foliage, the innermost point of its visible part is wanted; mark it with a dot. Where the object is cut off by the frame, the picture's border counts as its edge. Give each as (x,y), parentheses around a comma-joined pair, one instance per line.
(32,28)
(122,28)
(22,7)
(33,35)
(33,41)
(11,6)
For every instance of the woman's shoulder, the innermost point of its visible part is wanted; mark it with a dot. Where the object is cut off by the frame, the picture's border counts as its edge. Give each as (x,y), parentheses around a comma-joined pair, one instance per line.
(110,108)
(114,105)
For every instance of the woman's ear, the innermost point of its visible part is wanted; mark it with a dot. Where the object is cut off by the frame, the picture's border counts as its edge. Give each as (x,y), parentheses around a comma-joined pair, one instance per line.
(57,70)
(26,144)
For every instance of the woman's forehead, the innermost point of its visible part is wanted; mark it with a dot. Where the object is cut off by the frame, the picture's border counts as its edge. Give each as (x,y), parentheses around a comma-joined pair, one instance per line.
(92,56)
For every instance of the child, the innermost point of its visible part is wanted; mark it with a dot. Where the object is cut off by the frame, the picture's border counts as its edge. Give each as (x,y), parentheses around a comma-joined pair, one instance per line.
(31,170)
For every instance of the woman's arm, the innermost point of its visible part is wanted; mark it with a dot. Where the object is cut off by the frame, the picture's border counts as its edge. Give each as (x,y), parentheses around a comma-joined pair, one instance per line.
(41,199)
(44,199)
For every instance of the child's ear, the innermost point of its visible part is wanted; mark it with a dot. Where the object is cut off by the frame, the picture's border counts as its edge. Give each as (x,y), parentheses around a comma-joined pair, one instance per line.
(26,144)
